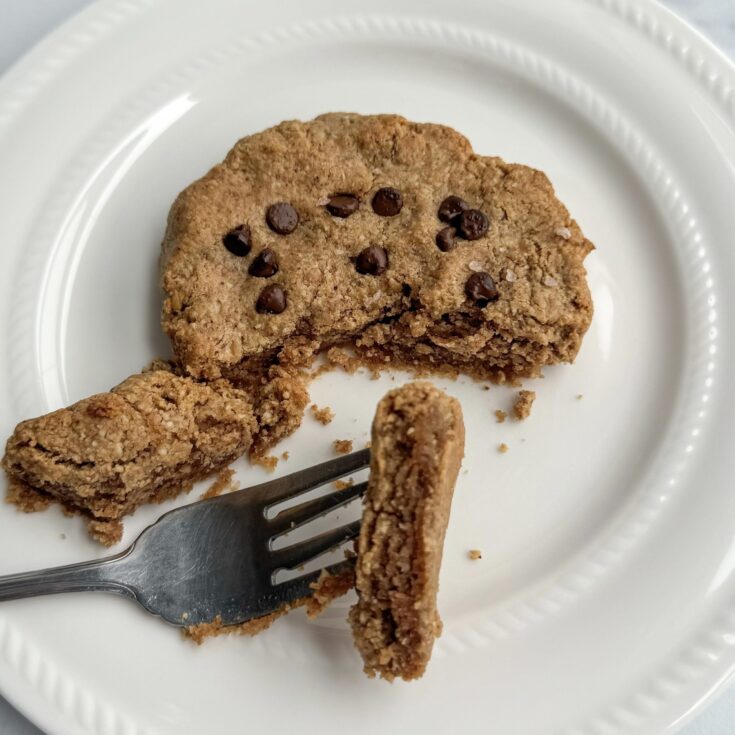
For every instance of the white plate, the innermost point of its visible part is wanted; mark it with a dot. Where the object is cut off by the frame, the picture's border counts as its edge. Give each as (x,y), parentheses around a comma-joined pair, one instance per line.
(605,599)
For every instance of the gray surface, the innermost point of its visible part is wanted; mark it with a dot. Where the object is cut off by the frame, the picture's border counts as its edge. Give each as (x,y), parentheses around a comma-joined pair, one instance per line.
(24,22)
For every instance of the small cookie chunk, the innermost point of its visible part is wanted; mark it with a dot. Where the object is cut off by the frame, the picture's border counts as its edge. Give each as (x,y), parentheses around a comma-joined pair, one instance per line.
(148,439)
(323,415)
(417,448)
(523,404)
(343,446)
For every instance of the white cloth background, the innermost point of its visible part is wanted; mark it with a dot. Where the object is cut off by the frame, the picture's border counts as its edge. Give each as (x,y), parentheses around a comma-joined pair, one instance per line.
(24,22)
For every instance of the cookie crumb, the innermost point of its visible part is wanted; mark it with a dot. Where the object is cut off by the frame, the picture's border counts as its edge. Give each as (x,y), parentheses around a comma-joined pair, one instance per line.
(323,415)
(269,462)
(285,456)
(500,416)
(523,404)
(108,532)
(222,482)
(579,396)
(344,484)
(474,554)
(343,446)
(503,448)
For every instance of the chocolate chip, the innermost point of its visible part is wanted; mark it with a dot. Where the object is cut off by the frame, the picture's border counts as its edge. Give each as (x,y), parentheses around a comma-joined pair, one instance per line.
(272,300)
(238,240)
(265,265)
(387,202)
(282,218)
(446,239)
(372,261)
(451,207)
(473,224)
(480,287)
(342,205)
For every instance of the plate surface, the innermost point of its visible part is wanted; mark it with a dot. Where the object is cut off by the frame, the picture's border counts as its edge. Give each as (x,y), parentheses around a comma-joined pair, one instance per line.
(605,599)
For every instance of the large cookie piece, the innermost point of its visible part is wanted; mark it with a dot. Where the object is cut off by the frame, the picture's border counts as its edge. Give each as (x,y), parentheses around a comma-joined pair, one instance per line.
(146,440)
(389,235)
(417,448)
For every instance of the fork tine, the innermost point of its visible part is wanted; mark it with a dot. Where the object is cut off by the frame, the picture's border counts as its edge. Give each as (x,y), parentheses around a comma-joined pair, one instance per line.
(294,589)
(284,488)
(304,551)
(298,515)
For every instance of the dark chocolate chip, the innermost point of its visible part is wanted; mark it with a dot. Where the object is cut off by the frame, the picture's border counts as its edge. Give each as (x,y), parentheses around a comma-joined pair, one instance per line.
(446,239)
(342,205)
(480,287)
(473,224)
(451,207)
(238,240)
(272,300)
(387,202)
(372,261)
(265,265)
(282,218)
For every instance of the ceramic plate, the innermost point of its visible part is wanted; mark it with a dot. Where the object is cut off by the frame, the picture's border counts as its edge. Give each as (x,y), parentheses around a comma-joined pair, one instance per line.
(605,598)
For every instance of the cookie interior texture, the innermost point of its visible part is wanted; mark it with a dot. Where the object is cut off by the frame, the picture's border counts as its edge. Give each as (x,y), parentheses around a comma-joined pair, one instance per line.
(146,440)
(372,275)
(417,448)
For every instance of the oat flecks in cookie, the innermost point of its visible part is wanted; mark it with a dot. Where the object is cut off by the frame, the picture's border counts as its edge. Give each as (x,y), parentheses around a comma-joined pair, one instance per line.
(419,299)
(524,403)
(418,442)
(343,446)
(148,439)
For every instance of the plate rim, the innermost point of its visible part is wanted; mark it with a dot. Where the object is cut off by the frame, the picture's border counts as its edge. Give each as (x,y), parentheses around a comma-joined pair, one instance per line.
(44,61)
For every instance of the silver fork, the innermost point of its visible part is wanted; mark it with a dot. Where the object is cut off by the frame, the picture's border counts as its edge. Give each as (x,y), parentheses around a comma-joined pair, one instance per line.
(214,557)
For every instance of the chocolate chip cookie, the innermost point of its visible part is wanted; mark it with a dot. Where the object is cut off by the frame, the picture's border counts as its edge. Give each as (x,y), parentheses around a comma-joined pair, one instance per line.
(417,448)
(391,236)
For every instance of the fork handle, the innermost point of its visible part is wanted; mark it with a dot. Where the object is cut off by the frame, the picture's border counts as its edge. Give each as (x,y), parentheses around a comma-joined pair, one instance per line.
(84,577)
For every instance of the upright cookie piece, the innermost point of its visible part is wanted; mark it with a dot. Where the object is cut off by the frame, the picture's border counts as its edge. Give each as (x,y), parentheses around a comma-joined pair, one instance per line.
(378,223)
(146,440)
(417,448)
